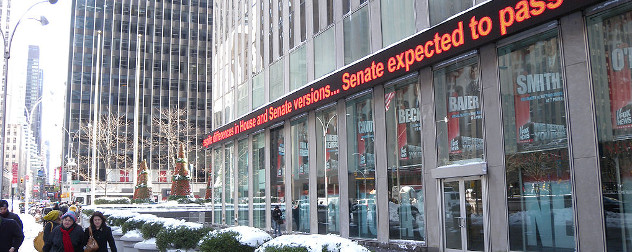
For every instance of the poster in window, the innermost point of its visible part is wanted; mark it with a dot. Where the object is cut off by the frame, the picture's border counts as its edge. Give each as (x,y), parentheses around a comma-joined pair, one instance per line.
(618,52)
(538,97)
(464,117)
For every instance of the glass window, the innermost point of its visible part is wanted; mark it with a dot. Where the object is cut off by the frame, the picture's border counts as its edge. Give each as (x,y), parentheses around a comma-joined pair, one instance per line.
(242,179)
(361,165)
(536,153)
(258,89)
(609,42)
(403,135)
(298,68)
(459,118)
(300,176)
(242,99)
(441,10)
(218,182)
(356,28)
(328,186)
(398,20)
(259,177)
(277,170)
(325,53)
(277,87)
(229,179)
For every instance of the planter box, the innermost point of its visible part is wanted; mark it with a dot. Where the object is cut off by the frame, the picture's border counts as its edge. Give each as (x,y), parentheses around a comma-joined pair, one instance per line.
(130,239)
(117,234)
(147,246)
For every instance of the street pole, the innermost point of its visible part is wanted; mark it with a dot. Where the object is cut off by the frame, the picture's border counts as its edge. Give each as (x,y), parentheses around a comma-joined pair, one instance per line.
(7,41)
(136,105)
(95,121)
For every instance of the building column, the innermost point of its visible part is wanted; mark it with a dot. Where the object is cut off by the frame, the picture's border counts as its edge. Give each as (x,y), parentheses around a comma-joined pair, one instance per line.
(381,166)
(343,169)
(585,172)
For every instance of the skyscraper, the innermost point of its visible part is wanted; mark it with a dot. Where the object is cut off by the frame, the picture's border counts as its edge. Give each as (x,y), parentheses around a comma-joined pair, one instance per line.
(175,51)
(33,95)
(5,7)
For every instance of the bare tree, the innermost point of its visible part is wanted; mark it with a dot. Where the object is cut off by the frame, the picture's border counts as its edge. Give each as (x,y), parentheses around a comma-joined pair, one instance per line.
(171,128)
(110,138)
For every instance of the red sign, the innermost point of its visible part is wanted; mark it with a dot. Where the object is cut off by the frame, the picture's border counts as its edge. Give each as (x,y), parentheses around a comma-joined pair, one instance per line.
(486,23)
(14,170)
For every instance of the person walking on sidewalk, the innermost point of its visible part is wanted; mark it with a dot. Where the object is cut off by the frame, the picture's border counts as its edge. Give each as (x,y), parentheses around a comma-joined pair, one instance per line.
(11,235)
(277,220)
(101,233)
(67,237)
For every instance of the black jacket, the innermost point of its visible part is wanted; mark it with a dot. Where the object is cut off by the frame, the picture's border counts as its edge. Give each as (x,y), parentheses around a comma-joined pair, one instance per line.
(11,234)
(48,228)
(276,214)
(55,241)
(15,217)
(103,236)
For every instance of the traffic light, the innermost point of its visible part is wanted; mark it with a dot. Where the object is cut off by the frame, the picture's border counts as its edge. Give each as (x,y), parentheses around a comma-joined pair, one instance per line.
(21,180)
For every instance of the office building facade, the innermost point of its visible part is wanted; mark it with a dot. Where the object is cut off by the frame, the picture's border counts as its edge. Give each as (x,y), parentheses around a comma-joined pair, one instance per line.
(33,95)
(174,74)
(450,125)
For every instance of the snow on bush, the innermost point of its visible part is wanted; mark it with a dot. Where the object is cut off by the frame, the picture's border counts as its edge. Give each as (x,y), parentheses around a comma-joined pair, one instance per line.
(250,236)
(314,243)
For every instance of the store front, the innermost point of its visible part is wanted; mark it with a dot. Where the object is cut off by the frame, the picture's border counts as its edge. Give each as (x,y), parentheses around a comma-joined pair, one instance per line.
(485,132)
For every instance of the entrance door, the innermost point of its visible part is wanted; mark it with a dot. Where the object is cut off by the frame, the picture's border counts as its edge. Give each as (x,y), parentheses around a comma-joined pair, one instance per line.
(463,214)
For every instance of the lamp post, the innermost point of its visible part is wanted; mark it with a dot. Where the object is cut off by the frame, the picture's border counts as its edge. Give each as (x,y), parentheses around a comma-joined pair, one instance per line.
(7,54)
(29,121)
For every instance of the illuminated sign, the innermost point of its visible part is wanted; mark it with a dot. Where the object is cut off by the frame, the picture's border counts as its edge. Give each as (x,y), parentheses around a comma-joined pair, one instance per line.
(484,24)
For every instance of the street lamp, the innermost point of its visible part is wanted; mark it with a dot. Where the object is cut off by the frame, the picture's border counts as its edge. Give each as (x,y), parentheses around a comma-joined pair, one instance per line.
(7,54)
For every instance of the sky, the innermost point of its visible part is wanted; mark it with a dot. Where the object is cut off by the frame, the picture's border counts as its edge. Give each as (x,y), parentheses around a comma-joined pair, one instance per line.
(53,41)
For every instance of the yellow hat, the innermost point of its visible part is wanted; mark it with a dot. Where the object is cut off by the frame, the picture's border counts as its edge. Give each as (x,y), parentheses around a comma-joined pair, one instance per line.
(73,208)
(52,215)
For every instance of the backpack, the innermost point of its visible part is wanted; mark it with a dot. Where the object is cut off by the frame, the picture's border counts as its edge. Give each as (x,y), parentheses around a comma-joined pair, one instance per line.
(38,242)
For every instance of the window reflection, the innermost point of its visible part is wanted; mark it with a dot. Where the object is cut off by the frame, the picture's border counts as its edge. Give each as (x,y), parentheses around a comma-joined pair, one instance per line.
(327,174)
(609,39)
(300,176)
(218,182)
(538,176)
(403,134)
(277,170)
(259,177)
(229,179)
(242,180)
(361,168)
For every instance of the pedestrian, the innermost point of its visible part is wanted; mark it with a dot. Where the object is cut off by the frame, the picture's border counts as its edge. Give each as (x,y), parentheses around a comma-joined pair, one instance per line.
(277,220)
(5,213)
(101,233)
(51,221)
(11,235)
(67,237)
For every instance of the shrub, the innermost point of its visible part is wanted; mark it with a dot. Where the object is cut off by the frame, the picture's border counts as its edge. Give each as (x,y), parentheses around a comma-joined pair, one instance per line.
(150,229)
(102,201)
(87,212)
(226,241)
(181,199)
(286,249)
(141,201)
(132,224)
(117,220)
(181,237)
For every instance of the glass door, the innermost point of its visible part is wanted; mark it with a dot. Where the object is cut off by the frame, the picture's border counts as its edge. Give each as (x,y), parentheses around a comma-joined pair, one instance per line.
(463,214)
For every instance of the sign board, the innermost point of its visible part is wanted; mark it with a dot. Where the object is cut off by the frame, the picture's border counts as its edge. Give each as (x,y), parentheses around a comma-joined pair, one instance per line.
(486,23)
(14,171)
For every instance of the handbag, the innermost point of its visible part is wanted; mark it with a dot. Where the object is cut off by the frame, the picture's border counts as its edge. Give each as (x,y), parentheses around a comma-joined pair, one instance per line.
(92,244)
(38,242)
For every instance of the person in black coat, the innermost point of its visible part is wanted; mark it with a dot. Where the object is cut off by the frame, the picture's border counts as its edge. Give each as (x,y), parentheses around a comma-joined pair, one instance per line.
(11,235)
(67,233)
(5,213)
(51,221)
(101,233)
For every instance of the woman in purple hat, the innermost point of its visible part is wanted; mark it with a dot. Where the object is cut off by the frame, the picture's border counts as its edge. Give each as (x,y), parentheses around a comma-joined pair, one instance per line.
(67,237)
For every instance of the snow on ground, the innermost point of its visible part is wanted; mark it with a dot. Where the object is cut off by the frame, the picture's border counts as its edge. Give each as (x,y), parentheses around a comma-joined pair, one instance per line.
(31,229)
(248,235)
(315,243)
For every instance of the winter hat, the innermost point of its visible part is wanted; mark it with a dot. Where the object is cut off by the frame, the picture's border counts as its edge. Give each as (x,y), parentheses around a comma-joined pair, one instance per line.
(4,203)
(52,215)
(70,214)
(72,208)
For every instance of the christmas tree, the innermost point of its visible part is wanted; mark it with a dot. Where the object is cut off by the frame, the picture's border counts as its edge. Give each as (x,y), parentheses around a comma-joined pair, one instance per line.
(180,186)
(142,192)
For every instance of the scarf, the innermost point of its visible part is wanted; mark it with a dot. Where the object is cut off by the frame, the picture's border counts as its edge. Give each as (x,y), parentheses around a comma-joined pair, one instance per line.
(67,242)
